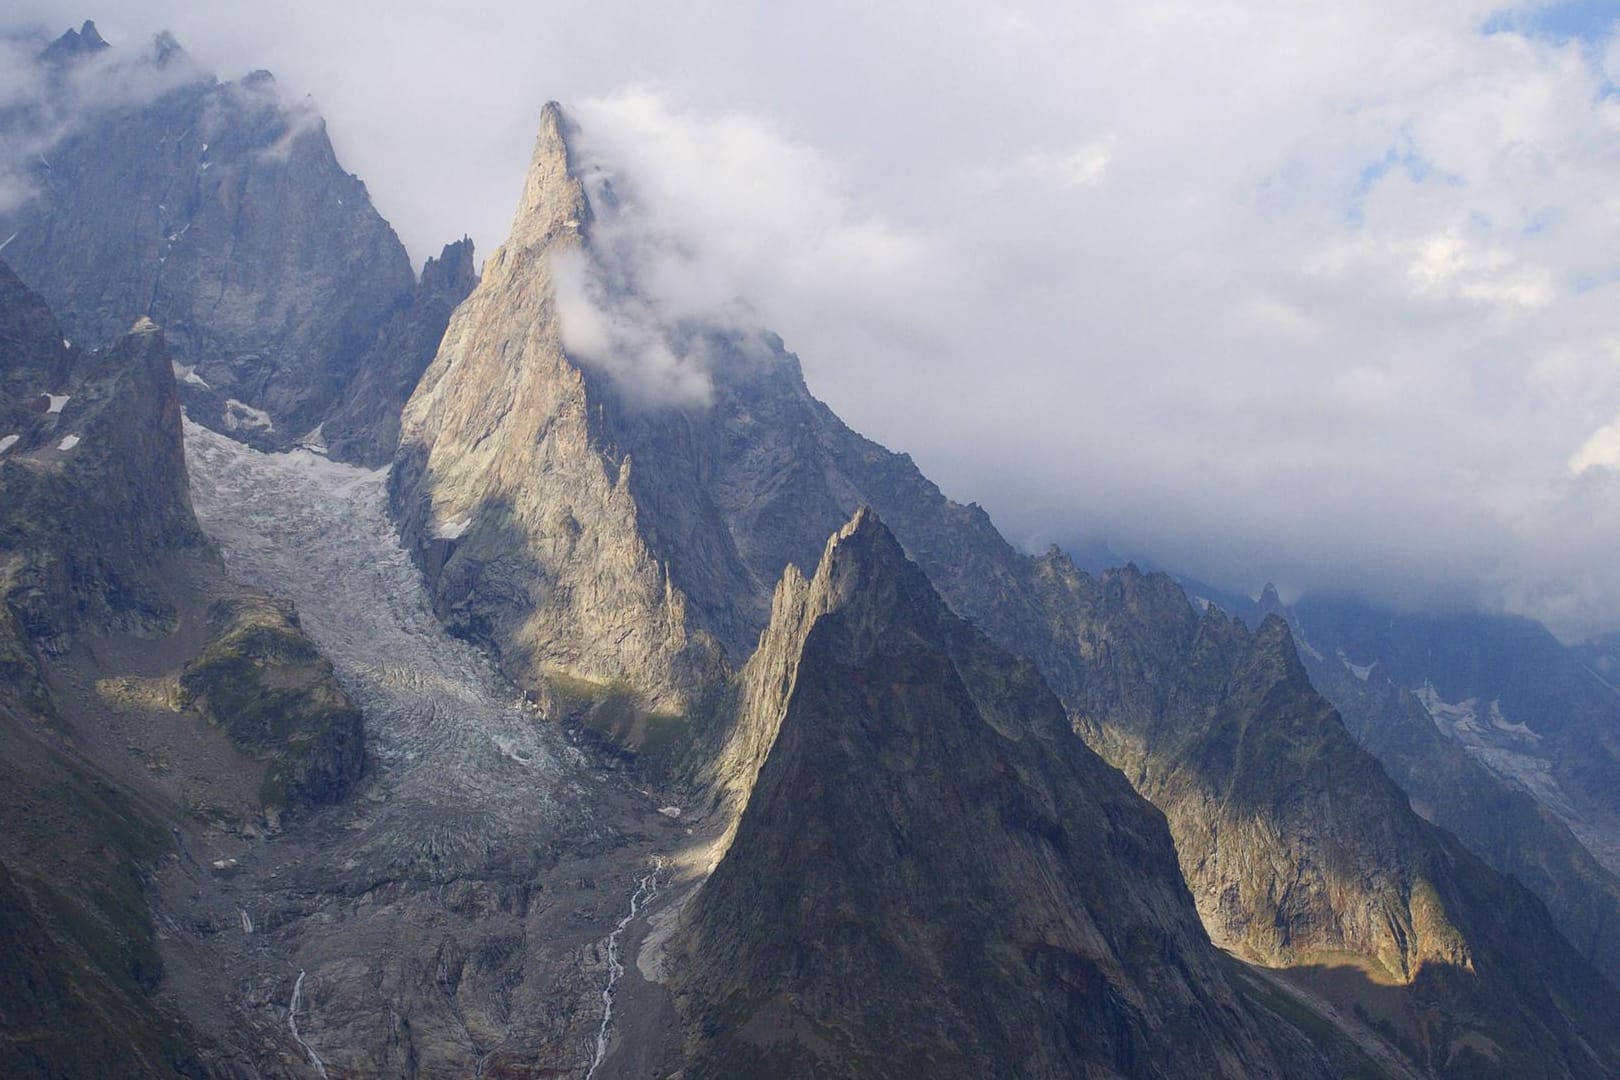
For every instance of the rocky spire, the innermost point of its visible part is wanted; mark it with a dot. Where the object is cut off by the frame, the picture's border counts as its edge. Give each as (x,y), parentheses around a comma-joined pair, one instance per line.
(911,782)
(85,41)
(518,501)
(553,204)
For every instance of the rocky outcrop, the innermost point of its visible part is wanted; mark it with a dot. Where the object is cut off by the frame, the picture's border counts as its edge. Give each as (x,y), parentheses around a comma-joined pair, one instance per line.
(1498,818)
(220,212)
(93,489)
(364,427)
(263,682)
(73,44)
(932,875)
(1303,854)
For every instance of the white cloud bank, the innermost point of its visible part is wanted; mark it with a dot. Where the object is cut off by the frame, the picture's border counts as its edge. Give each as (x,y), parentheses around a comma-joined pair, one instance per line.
(1327,294)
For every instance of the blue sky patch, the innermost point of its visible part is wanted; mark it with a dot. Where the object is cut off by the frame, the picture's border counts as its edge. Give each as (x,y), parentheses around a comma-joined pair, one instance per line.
(1589,21)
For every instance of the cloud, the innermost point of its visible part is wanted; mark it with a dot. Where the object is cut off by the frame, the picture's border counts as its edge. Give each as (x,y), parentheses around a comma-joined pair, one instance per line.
(45,102)
(1322,294)
(615,329)
(1601,451)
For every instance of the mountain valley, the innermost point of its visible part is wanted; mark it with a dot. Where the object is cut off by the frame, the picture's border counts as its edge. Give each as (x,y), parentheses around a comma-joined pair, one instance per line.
(398,680)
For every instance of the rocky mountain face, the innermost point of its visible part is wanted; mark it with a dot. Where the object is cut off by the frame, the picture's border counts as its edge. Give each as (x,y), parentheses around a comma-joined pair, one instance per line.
(518,500)
(314,833)
(1276,810)
(932,875)
(1497,817)
(217,210)
(364,426)
(92,478)
(1464,766)
(589,534)
(103,570)
(1527,708)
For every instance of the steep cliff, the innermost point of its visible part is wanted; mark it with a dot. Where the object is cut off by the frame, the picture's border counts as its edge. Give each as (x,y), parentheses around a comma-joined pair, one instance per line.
(92,478)
(219,211)
(1496,815)
(364,425)
(517,498)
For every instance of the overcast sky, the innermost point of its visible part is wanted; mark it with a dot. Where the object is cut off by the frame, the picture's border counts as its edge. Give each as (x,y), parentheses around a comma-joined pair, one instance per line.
(1326,294)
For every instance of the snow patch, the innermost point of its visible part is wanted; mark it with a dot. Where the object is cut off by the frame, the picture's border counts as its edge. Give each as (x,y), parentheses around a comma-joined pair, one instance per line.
(8,442)
(1507,749)
(68,443)
(1520,730)
(57,401)
(452,530)
(241,416)
(187,373)
(1360,671)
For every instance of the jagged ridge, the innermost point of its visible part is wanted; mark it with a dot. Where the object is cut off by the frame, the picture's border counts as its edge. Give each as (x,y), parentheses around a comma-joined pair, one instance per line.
(931,874)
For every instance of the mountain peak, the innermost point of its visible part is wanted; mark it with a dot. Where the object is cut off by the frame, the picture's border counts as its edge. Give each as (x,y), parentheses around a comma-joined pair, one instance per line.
(866,537)
(864,567)
(553,197)
(84,41)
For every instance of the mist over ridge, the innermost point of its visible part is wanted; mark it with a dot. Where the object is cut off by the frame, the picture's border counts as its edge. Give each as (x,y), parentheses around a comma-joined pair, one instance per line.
(1255,296)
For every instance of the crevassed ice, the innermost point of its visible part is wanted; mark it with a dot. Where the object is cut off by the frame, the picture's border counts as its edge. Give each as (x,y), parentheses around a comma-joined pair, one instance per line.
(467,763)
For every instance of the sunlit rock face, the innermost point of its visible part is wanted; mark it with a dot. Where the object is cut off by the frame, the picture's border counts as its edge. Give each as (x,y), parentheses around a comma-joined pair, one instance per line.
(515,492)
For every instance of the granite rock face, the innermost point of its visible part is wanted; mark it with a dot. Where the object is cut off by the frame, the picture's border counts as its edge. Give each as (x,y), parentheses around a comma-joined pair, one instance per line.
(517,498)
(364,426)
(932,875)
(219,211)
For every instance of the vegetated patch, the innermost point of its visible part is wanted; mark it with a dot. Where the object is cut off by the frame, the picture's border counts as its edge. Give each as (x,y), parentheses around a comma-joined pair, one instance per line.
(266,685)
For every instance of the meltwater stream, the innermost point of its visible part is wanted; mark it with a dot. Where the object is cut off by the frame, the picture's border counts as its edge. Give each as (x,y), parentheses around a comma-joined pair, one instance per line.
(464,765)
